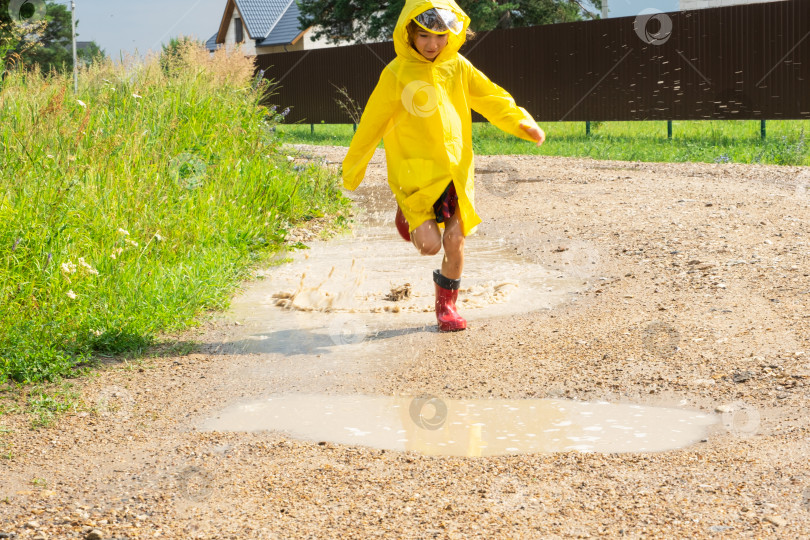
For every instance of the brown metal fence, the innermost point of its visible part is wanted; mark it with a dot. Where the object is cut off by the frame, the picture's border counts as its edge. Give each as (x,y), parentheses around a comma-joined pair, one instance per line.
(739,62)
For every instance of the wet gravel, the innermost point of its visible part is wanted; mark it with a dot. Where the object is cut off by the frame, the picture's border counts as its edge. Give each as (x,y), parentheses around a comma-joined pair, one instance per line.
(697,289)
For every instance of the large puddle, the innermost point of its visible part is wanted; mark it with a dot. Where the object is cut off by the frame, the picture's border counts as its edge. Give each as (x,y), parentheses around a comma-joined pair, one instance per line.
(352,307)
(449,427)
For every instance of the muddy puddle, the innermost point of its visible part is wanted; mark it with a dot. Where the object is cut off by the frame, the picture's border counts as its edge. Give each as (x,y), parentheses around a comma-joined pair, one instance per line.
(372,284)
(448,427)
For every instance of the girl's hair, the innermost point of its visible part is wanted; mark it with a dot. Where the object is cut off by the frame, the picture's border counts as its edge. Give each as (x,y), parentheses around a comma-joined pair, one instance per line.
(414,28)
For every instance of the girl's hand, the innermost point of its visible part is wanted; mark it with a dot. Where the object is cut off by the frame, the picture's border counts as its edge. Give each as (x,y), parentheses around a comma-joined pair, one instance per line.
(535,133)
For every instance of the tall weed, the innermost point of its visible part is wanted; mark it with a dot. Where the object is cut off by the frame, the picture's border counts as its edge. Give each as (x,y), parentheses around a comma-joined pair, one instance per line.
(131,207)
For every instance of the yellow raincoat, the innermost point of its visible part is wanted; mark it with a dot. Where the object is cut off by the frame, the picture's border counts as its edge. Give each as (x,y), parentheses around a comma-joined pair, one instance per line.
(421,109)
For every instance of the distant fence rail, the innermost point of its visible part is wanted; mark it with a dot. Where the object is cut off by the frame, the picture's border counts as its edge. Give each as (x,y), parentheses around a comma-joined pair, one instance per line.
(739,62)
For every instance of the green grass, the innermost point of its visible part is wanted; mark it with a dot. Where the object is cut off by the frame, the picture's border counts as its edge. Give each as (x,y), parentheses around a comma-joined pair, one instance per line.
(712,141)
(130,209)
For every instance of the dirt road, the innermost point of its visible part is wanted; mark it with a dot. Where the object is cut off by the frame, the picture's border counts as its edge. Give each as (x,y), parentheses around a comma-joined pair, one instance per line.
(681,285)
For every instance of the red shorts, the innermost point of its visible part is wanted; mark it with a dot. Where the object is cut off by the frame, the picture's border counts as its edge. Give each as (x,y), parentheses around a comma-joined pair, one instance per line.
(445,207)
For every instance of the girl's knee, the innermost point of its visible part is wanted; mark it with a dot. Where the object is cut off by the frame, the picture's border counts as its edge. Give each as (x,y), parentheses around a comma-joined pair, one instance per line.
(429,247)
(427,238)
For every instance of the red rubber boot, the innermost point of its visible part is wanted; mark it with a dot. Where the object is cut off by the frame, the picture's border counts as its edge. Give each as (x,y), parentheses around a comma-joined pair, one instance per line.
(446,295)
(402,225)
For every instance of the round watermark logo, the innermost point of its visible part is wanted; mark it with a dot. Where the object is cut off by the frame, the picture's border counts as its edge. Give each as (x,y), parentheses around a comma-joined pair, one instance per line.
(577,258)
(428,412)
(27,12)
(580,259)
(509,492)
(347,330)
(661,338)
(195,483)
(420,99)
(653,26)
(188,170)
(496,186)
(114,402)
(740,418)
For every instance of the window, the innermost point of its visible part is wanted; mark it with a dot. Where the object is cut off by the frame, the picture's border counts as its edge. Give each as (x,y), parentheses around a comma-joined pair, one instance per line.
(238,31)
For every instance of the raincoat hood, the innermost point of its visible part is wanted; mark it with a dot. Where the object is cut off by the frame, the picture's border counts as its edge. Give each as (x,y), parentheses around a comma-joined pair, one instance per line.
(413,8)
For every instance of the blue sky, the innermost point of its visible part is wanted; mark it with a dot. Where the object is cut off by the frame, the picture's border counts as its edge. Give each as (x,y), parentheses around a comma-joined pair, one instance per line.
(144,25)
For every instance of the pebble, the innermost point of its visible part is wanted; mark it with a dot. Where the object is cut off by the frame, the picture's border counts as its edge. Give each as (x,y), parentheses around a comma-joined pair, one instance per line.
(779,521)
(95,534)
(742,376)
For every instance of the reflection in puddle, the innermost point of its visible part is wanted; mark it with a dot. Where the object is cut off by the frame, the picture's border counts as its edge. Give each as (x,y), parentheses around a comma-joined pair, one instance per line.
(449,427)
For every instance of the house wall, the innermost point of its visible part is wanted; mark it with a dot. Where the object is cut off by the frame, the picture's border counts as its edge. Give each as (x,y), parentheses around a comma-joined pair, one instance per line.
(304,44)
(309,43)
(249,46)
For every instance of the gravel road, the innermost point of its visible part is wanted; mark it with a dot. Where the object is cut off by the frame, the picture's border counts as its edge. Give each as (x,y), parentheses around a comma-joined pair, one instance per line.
(695,294)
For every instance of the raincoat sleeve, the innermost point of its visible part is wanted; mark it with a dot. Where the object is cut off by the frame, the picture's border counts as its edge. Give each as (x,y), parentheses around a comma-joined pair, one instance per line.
(496,105)
(373,126)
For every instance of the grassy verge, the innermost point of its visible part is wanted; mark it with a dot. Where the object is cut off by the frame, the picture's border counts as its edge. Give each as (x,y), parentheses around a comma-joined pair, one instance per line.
(700,141)
(129,209)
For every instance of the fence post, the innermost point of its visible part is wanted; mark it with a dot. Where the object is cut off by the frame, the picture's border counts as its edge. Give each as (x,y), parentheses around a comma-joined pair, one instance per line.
(312,129)
(669,129)
(762,129)
(587,128)
(355,127)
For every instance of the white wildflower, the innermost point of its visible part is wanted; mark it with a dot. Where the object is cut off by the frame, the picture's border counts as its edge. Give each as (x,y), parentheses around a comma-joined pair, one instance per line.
(124,232)
(136,96)
(290,158)
(71,295)
(97,332)
(131,242)
(68,268)
(116,253)
(158,237)
(81,103)
(90,269)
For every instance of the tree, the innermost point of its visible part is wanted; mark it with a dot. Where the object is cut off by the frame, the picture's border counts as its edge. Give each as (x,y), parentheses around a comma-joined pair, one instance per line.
(370,20)
(90,53)
(50,46)
(171,54)
(15,39)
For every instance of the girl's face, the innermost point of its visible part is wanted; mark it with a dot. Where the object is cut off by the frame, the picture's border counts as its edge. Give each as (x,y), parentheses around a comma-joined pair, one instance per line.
(429,45)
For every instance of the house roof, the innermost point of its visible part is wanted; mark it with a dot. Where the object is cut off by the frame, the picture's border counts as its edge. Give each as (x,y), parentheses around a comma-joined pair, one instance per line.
(211,44)
(286,29)
(269,22)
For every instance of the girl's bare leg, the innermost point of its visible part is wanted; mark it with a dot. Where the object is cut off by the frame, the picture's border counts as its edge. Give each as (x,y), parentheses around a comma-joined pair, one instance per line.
(453,261)
(427,238)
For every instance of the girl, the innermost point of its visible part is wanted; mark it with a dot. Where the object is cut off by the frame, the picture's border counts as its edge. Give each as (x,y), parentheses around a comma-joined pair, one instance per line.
(421,109)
